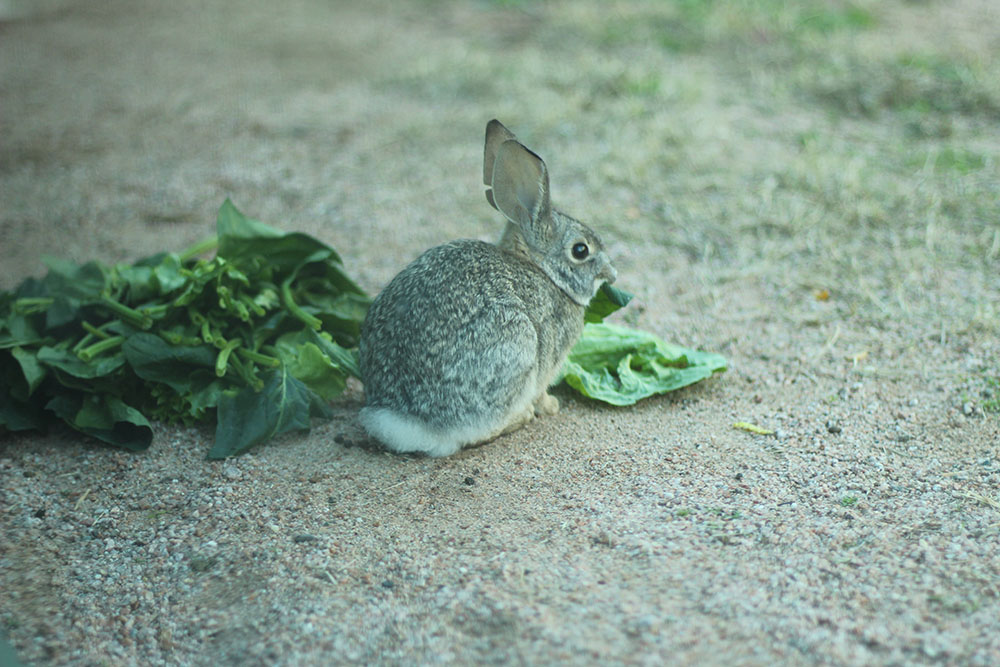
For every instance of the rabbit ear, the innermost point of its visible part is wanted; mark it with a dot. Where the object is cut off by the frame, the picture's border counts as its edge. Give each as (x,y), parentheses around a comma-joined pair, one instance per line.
(521,189)
(496,134)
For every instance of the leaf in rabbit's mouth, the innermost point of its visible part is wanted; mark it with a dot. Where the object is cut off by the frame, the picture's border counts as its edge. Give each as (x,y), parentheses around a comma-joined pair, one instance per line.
(607,300)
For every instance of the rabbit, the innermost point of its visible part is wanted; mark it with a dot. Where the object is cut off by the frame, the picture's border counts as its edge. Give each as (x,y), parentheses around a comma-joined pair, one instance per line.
(461,346)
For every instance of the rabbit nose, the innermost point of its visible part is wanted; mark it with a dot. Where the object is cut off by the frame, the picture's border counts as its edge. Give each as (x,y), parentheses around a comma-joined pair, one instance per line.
(610,274)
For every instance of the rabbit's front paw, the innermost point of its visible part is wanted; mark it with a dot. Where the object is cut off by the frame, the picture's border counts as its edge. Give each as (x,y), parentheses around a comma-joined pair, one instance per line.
(546,404)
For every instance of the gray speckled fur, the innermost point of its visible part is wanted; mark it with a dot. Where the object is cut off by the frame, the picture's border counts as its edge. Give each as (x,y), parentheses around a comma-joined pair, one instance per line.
(463,343)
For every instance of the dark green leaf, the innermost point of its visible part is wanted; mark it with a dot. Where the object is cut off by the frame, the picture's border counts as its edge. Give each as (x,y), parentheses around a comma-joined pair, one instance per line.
(80,282)
(139,280)
(66,361)
(106,418)
(32,372)
(18,330)
(341,315)
(18,415)
(62,311)
(247,418)
(241,239)
(156,360)
(94,343)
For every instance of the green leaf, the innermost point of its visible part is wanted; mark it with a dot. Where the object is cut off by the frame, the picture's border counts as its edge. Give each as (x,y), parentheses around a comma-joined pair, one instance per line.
(188,371)
(66,361)
(247,418)
(139,280)
(106,418)
(607,300)
(82,282)
(232,224)
(18,415)
(95,344)
(242,239)
(32,371)
(343,358)
(317,372)
(324,367)
(621,366)
(62,311)
(342,315)
(17,329)
(167,272)
(156,360)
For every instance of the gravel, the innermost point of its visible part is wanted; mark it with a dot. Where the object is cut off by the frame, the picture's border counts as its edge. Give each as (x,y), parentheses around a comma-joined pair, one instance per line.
(865,530)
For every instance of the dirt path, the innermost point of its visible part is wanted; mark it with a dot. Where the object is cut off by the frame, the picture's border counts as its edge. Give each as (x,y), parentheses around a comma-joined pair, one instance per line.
(810,189)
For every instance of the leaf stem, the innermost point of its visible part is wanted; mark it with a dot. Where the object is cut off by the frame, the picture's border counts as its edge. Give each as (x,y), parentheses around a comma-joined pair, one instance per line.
(156,312)
(296,310)
(30,304)
(88,353)
(103,335)
(223,359)
(199,248)
(175,338)
(247,374)
(130,315)
(258,358)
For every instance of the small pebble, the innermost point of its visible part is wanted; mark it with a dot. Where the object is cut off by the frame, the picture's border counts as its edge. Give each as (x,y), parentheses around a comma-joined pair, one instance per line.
(833,427)
(300,539)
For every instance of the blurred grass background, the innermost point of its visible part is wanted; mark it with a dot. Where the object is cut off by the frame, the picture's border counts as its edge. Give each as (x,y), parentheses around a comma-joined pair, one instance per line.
(749,152)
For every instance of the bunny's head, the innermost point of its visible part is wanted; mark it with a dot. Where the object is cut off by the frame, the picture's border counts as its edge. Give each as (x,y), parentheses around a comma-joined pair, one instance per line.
(570,253)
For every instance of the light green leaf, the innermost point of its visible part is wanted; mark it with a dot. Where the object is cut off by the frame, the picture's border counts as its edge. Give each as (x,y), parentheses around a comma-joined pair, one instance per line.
(621,366)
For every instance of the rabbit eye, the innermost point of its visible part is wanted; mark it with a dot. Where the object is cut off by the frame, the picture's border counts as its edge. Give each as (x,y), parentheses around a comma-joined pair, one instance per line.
(580,251)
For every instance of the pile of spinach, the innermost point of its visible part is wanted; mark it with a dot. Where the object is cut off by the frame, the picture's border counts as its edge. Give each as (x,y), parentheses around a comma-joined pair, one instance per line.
(260,336)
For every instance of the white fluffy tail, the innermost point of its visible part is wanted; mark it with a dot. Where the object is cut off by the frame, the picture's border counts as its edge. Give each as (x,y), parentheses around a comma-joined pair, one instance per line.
(402,433)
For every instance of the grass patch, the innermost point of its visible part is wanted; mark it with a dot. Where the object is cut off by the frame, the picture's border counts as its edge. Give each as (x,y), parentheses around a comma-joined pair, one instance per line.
(991,394)
(913,84)
(949,159)
(689,26)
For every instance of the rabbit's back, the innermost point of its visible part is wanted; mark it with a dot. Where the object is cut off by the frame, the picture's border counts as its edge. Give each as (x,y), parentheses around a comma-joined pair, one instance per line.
(463,338)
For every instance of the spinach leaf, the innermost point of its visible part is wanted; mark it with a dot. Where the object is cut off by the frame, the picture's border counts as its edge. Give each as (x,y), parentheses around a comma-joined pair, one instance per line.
(247,417)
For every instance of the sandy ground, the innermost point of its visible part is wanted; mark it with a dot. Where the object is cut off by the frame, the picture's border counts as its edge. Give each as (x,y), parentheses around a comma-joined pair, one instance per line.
(865,531)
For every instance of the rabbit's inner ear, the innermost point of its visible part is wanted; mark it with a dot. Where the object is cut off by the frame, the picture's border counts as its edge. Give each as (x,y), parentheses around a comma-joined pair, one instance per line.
(521,189)
(496,134)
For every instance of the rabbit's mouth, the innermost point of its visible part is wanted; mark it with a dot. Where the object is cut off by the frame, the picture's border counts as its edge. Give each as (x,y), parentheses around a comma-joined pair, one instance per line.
(607,275)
